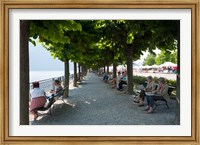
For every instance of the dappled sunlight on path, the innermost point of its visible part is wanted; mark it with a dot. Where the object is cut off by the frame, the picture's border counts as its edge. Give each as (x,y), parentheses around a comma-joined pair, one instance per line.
(98,104)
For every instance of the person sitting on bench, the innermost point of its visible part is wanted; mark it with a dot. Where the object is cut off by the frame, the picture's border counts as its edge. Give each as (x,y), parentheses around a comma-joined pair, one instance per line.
(115,81)
(151,86)
(57,89)
(161,93)
(122,81)
(119,76)
(105,77)
(37,98)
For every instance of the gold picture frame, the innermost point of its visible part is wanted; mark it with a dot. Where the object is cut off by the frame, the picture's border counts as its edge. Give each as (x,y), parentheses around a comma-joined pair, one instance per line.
(127,4)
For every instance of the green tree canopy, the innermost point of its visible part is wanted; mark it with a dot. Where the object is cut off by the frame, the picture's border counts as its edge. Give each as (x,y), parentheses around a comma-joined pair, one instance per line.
(166,56)
(161,58)
(97,43)
(149,60)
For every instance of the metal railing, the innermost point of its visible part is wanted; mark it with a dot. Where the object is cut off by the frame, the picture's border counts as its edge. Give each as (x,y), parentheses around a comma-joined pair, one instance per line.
(47,84)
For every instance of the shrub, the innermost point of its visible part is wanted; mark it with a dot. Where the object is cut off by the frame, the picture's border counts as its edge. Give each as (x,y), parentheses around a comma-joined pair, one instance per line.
(139,79)
(171,83)
(142,80)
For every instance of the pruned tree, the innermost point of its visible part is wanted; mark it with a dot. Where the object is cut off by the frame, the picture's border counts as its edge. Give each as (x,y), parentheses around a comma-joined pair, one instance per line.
(53,35)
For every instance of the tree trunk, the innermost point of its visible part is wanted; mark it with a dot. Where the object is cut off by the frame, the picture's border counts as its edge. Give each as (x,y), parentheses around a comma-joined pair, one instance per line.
(66,82)
(100,71)
(130,69)
(114,70)
(177,116)
(114,74)
(84,70)
(107,69)
(79,72)
(104,69)
(75,75)
(24,72)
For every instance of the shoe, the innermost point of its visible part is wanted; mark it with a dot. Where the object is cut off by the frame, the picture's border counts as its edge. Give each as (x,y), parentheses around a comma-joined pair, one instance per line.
(147,108)
(150,110)
(135,103)
(141,104)
(136,100)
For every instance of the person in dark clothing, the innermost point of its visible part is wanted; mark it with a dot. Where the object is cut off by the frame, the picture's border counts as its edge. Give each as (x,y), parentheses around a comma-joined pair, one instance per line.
(122,81)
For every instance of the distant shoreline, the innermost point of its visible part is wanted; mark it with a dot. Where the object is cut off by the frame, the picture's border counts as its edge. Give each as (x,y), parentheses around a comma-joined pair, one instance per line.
(42,75)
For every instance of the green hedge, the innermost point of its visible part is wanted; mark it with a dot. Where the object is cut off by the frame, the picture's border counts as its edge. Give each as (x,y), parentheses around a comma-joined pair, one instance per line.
(141,80)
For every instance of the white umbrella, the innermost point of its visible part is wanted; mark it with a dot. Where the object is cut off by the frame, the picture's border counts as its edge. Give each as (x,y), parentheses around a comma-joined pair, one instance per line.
(166,64)
(154,66)
(146,66)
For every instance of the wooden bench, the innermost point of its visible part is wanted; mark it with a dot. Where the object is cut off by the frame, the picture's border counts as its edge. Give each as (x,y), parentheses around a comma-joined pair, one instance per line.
(49,106)
(170,90)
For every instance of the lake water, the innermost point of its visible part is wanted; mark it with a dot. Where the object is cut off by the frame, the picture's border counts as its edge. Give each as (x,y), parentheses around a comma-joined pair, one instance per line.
(42,75)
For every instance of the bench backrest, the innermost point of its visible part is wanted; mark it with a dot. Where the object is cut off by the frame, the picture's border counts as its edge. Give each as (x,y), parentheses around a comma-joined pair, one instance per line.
(52,100)
(60,93)
(170,88)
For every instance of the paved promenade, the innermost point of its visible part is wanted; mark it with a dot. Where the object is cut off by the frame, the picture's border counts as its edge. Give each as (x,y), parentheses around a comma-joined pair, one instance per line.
(98,104)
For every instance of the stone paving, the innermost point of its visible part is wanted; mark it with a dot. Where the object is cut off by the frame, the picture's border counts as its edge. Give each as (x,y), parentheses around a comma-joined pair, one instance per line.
(98,104)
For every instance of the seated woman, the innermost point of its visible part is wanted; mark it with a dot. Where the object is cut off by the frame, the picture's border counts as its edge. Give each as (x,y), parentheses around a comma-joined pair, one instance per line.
(151,86)
(37,99)
(57,89)
(160,94)
(115,80)
(119,76)
(122,81)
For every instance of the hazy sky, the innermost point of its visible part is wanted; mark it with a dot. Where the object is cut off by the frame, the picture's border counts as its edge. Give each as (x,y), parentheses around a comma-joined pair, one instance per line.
(145,54)
(41,60)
